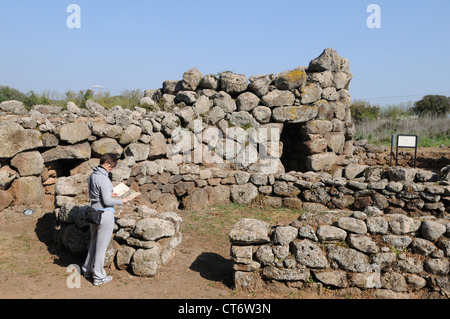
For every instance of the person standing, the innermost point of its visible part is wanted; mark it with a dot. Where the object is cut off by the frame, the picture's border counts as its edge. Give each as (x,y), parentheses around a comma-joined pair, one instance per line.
(101,196)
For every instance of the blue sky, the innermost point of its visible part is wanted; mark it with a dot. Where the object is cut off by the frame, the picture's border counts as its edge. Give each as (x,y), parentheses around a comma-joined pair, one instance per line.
(138,44)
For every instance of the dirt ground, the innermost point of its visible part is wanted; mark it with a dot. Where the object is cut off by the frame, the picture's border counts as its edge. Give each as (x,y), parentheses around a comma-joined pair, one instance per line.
(428,158)
(31,266)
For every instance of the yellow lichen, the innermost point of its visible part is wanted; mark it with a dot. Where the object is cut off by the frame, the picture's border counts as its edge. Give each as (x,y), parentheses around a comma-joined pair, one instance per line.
(307,89)
(295,75)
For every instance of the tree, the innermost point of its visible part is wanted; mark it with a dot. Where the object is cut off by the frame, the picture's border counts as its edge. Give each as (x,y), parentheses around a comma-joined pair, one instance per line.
(361,110)
(7,94)
(31,99)
(432,105)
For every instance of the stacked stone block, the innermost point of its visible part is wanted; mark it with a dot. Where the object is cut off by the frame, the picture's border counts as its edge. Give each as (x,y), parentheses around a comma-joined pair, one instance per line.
(366,249)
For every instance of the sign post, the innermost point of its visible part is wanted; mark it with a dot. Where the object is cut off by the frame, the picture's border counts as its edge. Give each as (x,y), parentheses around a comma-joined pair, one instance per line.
(393,143)
(404,140)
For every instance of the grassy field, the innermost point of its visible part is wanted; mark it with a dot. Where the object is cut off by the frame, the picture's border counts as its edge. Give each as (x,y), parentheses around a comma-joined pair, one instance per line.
(218,220)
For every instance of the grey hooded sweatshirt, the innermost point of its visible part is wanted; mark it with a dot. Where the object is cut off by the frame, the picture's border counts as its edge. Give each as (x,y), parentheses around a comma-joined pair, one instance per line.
(101,189)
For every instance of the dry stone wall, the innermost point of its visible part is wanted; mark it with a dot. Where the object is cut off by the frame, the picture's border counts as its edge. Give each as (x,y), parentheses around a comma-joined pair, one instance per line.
(280,140)
(385,255)
(295,120)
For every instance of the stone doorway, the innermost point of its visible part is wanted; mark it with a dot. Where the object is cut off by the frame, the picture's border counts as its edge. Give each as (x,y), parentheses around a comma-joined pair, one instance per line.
(295,152)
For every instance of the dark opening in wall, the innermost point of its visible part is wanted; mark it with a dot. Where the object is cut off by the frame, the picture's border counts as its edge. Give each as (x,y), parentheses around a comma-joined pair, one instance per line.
(63,167)
(295,152)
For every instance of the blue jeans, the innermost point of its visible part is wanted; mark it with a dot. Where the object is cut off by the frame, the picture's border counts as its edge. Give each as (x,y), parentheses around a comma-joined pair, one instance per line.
(100,239)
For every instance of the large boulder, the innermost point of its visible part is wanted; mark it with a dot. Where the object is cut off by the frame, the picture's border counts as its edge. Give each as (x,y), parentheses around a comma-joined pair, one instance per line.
(353,225)
(432,230)
(310,93)
(130,135)
(295,274)
(107,145)
(201,106)
(330,233)
(28,163)
(225,101)
(7,176)
(73,133)
(321,127)
(47,109)
(145,262)
(278,98)
(260,84)
(321,161)
(6,198)
(71,185)
(401,174)
(292,79)
(353,170)
(401,224)
(309,254)
(158,145)
(14,107)
(197,199)
(219,195)
(78,151)
(335,141)
(316,144)
(262,114)
(247,101)
(250,231)
(294,114)
(16,139)
(106,130)
(243,194)
(28,191)
(349,259)
(138,151)
(191,79)
(210,81)
(233,83)
(285,234)
(328,60)
(153,229)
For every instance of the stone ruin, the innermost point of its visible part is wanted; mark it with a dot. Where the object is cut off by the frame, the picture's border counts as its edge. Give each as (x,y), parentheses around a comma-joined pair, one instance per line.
(282,140)
(383,255)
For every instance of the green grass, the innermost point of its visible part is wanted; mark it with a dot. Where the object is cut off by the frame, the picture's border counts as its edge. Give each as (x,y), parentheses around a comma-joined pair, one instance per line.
(214,223)
(438,141)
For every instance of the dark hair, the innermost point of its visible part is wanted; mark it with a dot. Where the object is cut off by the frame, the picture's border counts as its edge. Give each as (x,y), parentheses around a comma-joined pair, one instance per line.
(108,158)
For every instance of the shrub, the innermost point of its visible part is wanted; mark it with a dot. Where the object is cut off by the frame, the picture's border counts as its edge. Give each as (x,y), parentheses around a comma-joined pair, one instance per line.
(431,130)
(362,110)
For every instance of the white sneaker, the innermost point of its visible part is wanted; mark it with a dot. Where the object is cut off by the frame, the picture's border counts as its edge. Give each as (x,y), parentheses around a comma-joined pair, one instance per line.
(98,282)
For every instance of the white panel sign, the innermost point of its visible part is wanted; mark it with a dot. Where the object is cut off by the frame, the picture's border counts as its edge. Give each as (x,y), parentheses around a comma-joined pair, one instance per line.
(406,141)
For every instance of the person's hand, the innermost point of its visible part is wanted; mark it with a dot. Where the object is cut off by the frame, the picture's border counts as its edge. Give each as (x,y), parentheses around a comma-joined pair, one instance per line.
(114,195)
(125,201)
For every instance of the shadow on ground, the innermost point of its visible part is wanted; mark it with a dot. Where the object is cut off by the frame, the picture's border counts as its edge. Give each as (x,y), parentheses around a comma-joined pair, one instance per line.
(214,267)
(45,232)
